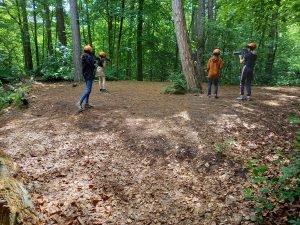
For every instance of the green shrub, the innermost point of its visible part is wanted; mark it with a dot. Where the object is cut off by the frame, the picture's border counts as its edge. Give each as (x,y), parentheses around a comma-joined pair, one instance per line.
(178,85)
(58,66)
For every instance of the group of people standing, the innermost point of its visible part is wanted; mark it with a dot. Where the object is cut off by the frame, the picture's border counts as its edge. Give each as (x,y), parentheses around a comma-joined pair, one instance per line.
(88,60)
(214,66)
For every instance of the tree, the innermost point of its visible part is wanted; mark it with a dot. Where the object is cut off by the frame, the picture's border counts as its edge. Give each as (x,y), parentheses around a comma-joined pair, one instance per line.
(48,28)
(60,23)
(76,40)
(26,38)
(120,37)
(35,34)
(183,46)
(139,40)
(201,38)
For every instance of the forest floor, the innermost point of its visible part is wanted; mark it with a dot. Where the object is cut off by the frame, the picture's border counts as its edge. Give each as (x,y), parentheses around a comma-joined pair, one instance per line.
(143,157)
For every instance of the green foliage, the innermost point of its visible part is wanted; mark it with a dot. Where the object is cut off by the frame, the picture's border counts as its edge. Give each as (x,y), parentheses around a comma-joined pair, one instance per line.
(59,65)
(269,191)
(16,95)
(178,84)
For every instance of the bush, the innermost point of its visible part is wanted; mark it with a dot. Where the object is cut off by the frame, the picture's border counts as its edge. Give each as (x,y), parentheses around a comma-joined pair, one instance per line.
(16,96)
(59,65)
(178,84)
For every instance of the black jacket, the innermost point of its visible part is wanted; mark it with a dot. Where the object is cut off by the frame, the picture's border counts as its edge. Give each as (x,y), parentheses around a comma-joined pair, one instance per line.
(88,66)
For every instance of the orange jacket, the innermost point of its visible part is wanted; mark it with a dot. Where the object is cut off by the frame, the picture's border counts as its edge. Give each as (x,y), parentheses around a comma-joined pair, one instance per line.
(214,66)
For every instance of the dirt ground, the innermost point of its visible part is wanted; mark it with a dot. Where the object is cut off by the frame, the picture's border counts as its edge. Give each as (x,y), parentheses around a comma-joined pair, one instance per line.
(141,157)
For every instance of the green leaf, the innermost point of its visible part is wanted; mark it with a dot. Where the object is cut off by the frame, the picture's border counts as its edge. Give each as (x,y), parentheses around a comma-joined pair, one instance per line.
(294,119)
(259,170)
(257,180)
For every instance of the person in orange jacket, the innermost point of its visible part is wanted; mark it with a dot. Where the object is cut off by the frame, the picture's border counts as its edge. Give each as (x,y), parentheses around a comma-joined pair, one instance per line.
(214,66)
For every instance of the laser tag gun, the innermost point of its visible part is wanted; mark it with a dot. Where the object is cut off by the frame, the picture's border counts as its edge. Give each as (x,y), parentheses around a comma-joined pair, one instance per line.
(240,52)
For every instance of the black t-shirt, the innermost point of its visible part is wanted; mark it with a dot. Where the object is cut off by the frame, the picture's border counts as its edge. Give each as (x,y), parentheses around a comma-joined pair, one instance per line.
(100,61)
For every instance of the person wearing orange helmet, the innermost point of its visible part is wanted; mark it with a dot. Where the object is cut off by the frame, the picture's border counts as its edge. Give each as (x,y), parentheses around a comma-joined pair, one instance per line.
(102,60)
(248,60)
(88,74)
(214,66)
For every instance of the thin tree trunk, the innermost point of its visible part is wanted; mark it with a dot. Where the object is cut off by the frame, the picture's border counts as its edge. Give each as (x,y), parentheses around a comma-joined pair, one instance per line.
(211,42)
(272,48)
(48,28)
(119,38)
(129,43)
(88,22)
(60,20)
(109,31)
(183,46)
(201,39)
(35,35)
(76,40)
(139,41)
(27,47)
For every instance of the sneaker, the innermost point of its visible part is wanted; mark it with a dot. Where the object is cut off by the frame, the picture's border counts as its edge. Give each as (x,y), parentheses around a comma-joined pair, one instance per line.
(208,96)
(249,98)
(101,89)
(88,106)
(79,107)
(242,97)
(216,96)
(105,91)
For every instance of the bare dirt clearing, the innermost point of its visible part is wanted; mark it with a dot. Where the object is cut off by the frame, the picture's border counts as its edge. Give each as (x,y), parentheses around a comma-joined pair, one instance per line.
(142,157)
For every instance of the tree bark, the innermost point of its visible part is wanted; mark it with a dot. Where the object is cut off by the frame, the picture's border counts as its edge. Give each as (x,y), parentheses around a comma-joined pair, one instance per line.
(183,46)
(129,43)
(88,22)
(272,48)
(120,37)
(201,39)
(211,41)
(48,28)
(60,20)
(26,36)
(109,30)
(139,41)
(76,40)
(35,34)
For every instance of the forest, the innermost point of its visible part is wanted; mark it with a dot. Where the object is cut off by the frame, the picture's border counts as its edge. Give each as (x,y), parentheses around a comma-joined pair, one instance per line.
(155,148)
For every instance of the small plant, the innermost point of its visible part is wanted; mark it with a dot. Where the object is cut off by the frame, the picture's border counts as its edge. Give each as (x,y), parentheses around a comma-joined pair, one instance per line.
(219,148)
(269,191)
(178,84)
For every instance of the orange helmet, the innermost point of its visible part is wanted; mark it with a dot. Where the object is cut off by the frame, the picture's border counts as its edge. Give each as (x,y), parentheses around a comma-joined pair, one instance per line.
(216,51)
(102,54)
(87,48)
(252,44)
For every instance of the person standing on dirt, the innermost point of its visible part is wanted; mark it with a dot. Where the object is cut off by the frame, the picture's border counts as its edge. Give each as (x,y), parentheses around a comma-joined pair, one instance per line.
(88,68)
(214,66)
(102,60)
(248,60)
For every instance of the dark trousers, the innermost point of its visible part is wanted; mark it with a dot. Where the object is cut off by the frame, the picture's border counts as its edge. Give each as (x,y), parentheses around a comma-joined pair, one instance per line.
(210,81)
(246,76)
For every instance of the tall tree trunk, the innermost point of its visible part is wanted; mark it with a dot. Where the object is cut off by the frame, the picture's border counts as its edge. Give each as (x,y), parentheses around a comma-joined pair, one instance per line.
(139,40)
(129,43)
(60,20)
(76,40)
(27,47)
(201,39)
(48,28)
(211,41)
(88,22)
(120,37)
(35,35)
(272,48)
(109,30)
(183,46)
